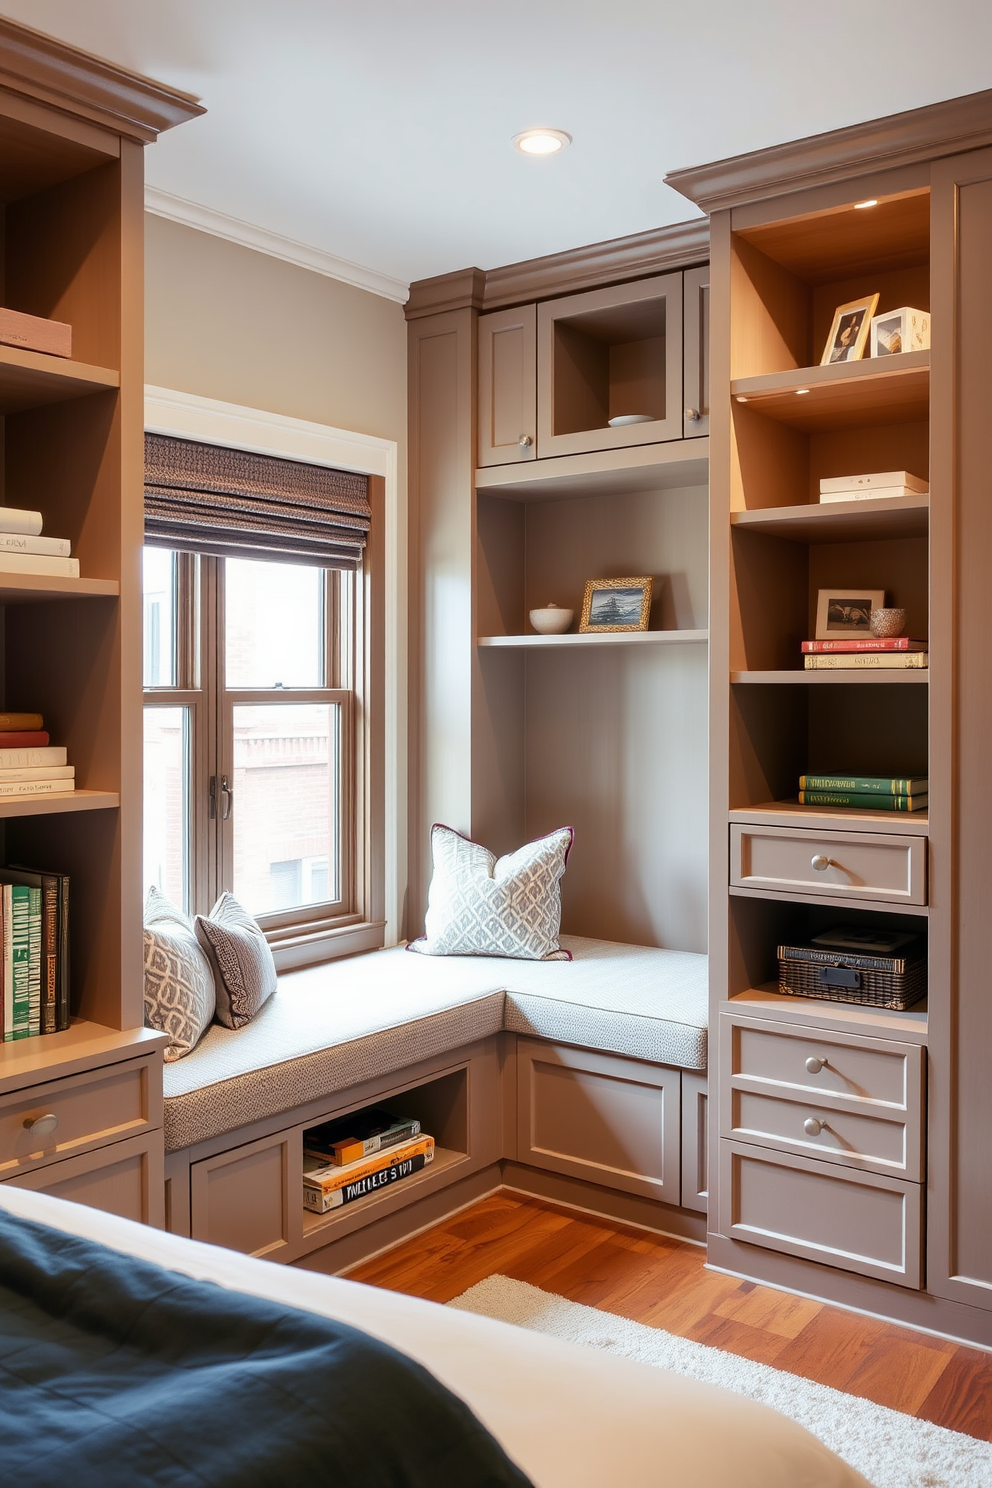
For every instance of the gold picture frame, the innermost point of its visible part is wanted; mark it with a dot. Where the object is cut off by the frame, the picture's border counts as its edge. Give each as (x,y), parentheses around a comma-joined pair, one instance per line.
(610,605)
(849,332)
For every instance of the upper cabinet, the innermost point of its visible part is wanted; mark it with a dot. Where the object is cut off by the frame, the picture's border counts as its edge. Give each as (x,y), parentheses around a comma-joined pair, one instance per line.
(603,370)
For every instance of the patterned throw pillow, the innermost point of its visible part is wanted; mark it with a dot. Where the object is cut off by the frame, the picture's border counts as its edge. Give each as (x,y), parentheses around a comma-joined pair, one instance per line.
(244,971)
(479,905)
(179,984)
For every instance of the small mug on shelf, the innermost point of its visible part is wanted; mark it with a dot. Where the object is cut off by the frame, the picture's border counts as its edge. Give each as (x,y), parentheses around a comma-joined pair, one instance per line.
(887,622)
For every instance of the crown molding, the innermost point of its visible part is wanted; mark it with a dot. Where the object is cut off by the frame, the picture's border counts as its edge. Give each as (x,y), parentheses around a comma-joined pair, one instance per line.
(39,67)
(262,240)
(946,128)
(677,246)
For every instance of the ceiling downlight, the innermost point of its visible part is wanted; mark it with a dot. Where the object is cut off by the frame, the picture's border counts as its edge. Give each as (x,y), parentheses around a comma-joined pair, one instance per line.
(541,141)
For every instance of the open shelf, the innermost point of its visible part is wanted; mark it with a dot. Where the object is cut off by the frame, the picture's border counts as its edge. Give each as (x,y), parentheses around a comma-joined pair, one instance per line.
(30,379)
(842,677)
(877,390)
(25,588)
(767,1002)
(832,818)
(652,467)
(79,800)
(619,638)
(325,1224)
(841,521)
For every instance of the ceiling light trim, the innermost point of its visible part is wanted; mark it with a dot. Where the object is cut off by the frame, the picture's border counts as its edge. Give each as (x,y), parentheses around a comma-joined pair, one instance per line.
(275,245)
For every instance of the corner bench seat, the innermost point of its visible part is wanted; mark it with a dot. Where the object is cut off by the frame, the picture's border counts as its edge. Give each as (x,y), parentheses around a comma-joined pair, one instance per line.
(336,1025)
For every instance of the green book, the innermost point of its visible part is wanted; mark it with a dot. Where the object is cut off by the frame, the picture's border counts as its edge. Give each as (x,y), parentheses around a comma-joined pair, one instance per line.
(34,960)
(864,802)
(21,961)
(867,785)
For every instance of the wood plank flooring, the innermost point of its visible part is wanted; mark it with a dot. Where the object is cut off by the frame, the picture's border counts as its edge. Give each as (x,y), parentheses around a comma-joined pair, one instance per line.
(663,1283)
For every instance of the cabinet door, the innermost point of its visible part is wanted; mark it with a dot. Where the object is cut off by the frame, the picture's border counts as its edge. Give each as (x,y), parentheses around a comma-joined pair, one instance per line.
(600,1117)
(508,386)
(695,1182)
(126,1178)
(696,365)
(250,1198)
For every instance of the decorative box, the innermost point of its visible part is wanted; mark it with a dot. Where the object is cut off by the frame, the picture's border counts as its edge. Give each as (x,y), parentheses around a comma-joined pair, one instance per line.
(900,330)
(842,974)
(35,333)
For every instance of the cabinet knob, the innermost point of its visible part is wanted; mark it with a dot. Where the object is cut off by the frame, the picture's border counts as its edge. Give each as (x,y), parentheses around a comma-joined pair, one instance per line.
(692,414)
(814,1065)
(819,863)
(41,1126)
(812,1127)
(525,441)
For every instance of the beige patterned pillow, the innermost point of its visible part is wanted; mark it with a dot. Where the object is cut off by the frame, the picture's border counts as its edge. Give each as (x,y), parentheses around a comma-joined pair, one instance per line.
(479,905)
(244,971)
(179,984)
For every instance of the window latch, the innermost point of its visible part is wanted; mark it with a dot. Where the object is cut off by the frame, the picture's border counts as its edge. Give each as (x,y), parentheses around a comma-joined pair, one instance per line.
(227,795)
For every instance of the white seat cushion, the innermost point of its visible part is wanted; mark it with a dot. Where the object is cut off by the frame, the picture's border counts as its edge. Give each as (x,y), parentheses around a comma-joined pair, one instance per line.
(336,1025)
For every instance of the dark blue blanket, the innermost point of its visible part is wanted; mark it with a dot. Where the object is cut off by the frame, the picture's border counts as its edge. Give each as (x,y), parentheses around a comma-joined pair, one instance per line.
(115,1371)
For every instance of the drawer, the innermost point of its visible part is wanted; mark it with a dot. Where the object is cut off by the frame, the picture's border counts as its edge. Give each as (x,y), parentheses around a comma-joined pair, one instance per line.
(89,1110)
(857,1221)
(126,1178)
(857,1139)
(842,865)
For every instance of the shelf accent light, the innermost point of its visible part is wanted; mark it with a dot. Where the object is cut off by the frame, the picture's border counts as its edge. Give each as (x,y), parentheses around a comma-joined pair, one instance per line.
(541,141)
(800,391)
(860,206)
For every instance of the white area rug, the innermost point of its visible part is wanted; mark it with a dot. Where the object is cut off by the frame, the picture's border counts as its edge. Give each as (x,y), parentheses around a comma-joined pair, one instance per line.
(888,1448)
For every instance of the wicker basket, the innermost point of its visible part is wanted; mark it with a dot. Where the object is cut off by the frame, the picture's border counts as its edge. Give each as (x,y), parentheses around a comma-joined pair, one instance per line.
(807,971)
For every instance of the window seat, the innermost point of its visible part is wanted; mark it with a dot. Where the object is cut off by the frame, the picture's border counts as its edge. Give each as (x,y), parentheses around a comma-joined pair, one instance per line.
(333,1026)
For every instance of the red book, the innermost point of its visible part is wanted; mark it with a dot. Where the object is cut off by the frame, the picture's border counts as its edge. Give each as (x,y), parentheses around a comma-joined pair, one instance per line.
(32,740)
(863,643)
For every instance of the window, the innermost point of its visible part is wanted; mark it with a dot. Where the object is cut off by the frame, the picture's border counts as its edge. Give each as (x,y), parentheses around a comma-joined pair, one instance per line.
(252,730)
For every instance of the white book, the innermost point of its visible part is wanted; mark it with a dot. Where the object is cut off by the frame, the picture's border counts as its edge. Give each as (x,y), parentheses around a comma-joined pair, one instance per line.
(37,787)
(15,519)
(34,755)
(52,547)
(830,484)
(876,493)
(31,563)
(39,772)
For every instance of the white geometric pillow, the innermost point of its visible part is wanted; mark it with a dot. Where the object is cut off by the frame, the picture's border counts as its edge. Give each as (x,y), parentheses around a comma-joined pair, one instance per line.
(479,905)
(179,984)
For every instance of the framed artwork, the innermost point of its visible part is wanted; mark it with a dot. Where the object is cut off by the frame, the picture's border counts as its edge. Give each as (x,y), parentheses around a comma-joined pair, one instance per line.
(846,613)
(615,604)
(849,332)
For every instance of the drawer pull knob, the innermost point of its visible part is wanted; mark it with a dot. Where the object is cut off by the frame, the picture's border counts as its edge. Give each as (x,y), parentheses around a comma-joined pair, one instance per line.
(819,863)
(692,414)
(41,1126)
(814,1065)
(525,441)
(812,1127)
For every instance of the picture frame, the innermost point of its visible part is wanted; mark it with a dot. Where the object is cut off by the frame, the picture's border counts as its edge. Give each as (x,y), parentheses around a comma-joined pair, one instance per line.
(610,605)
(843,613)
(900,330)
(849,332)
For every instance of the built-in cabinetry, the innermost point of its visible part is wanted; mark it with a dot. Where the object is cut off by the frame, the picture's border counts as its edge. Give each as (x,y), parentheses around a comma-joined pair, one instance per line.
(80,1111)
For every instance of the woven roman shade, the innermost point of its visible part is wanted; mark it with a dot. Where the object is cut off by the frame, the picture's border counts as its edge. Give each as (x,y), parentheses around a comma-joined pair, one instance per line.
(203,498)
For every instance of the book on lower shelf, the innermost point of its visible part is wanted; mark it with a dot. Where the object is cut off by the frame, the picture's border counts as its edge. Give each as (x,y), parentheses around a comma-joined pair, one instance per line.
(862,644)
(29,765)
(876,486)
(23,550)
(856,801)
(867,661)
(351,1138)
(329,1186)
(865,792)
(34,967)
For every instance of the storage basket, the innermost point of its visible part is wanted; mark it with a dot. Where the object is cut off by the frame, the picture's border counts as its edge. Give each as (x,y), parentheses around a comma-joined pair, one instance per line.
(873,981)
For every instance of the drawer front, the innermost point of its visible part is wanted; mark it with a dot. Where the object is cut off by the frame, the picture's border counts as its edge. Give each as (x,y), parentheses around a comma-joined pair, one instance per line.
(863,1222)
(127,1178)
(843,865)
(89,1110)
(846,1071)
(852,1138)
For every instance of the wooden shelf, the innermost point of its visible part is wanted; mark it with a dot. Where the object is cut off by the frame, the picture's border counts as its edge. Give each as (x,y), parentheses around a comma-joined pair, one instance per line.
(24,588)
(646,467)
(30,379)
(879,390)
(831,818)
(82,1045)
(619,638)
(325,1224)
(767,1001)
(840,521)
(79,800)
(843,677)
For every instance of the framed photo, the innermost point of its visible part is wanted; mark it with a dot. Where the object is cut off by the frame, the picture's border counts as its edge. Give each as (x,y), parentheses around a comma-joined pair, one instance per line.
(900,330)
(849,332)
(845,613)
(615,604)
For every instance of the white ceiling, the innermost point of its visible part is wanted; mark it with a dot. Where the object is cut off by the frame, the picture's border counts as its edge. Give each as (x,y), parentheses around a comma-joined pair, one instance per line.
(378,132)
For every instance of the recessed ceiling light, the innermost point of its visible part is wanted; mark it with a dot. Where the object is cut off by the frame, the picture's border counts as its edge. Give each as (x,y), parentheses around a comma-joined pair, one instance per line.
(858,206)
(541,141)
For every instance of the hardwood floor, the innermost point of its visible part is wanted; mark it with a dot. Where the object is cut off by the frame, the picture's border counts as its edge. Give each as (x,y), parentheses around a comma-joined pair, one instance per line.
(663,1283)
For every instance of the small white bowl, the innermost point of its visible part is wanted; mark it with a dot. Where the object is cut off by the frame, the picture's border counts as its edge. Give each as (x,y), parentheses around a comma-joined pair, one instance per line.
(552,620)
(623,419)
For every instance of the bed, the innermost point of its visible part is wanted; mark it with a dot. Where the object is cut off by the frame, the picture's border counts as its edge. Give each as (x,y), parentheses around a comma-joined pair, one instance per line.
(568,1417)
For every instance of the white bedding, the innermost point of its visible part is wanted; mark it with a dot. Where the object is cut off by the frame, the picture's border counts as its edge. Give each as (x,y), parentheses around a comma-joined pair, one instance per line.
(568,1416)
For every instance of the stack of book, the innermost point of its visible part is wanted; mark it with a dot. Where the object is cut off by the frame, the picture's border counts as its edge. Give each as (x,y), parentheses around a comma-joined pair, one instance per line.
(346,1159)
(34,959)
(875,487)
(29,765)
(24,550)
(865,653)
(865,792)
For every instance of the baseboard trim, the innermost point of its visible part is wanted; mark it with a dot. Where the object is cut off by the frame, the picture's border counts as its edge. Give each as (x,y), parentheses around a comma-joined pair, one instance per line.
(605,1203)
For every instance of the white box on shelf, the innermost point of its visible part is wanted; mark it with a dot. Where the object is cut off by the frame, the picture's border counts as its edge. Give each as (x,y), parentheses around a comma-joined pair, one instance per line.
(900,330)
(834,484)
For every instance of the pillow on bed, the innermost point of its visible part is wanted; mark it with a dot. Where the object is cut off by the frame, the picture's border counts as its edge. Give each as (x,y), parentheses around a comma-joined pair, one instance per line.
(244,971)
(479,905)
(179,982)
